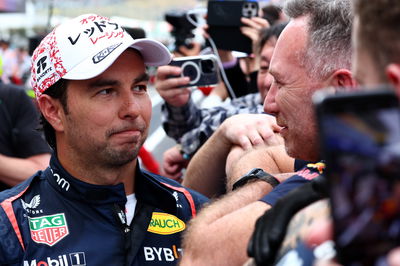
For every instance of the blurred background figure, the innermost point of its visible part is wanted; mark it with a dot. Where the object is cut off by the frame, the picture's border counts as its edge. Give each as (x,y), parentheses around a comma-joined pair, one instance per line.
(23,150)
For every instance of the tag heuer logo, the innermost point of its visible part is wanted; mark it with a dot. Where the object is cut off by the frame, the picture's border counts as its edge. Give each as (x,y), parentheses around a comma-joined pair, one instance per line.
(48,229)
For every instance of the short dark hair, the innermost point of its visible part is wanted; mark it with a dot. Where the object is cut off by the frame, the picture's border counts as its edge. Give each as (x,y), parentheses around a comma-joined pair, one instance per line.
(267,33)
(379,30)
(272,13)
(57,91)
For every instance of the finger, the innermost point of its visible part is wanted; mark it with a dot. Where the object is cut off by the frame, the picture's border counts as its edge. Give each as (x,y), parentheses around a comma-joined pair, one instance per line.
(172,83)
(255,137)
(169,168)
(163,72)
(250,32)
(265,132)
(275,128)
(245,142)
(254,23)
(262,22)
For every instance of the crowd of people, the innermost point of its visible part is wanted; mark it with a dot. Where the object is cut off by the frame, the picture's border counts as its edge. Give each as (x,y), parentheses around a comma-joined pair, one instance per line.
(245,184)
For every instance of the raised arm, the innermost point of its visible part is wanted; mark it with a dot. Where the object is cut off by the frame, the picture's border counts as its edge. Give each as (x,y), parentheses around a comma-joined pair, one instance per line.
(206,170)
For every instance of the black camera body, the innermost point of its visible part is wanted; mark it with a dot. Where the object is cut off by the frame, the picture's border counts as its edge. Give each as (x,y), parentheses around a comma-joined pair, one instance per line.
(202,70)
(182,28)
(223,19)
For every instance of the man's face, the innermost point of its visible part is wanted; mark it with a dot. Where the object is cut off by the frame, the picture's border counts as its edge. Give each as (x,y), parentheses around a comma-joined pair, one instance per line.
(289,97)
(364,68)
(264,78)
(108,116)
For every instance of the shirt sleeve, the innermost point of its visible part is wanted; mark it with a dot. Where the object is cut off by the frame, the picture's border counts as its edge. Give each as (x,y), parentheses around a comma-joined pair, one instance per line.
(212,118)
(177,121)
(303,176)
(28,139)
(191,126)
(282,189)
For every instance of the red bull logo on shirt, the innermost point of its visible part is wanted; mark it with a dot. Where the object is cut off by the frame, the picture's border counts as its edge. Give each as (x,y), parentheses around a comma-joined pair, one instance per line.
(48,229)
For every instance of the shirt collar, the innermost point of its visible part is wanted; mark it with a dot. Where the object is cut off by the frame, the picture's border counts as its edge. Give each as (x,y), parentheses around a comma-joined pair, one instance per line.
(149,188)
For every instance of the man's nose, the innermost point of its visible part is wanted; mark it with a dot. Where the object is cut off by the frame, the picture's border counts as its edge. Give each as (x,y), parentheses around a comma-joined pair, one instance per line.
(130,108)
(270,105)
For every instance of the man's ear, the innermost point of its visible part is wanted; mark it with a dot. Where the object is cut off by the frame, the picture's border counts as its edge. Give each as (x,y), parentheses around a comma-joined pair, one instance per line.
(343,78)
(393,76)
(51,109)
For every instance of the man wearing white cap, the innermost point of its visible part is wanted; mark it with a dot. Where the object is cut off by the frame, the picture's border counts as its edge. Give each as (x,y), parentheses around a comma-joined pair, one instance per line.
(93,205)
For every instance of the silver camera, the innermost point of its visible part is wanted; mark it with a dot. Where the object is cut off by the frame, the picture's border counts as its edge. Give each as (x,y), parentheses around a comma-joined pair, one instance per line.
(202,70)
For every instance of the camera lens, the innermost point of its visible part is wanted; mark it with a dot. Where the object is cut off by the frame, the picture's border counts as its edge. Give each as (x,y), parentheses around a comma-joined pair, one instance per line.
(191,69)
(207,66)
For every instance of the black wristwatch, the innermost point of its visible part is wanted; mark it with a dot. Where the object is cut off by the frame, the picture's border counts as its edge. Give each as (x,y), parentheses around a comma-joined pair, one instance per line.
(256,173)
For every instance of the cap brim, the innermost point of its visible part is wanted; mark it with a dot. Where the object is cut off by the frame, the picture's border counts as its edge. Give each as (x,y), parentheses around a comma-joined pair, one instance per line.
(153,52)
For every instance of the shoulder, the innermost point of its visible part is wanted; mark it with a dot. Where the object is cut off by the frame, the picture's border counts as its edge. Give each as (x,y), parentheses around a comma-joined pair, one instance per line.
(10,243)
(18,190)
(172,184)
(11,90)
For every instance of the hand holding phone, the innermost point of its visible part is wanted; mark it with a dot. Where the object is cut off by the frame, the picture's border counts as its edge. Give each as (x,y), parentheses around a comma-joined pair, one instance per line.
(224,23)
(170,89)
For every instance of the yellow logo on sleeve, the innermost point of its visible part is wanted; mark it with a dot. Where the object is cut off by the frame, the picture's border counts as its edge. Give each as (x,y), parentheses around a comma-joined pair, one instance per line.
(165,224)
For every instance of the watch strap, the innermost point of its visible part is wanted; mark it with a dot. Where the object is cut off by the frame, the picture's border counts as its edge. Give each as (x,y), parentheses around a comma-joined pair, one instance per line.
(254,174)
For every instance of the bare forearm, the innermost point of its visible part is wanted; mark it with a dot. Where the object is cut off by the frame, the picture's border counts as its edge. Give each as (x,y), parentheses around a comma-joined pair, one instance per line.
(15,170)
(272,159)
(220,233)
(206,170)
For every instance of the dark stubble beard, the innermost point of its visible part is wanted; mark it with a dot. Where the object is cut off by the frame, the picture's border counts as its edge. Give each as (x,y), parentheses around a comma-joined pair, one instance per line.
(104,155)
(115,159)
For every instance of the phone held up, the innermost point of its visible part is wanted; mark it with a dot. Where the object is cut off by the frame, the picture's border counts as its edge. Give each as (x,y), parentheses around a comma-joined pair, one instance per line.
(223,19)
(360,143)
(202,70)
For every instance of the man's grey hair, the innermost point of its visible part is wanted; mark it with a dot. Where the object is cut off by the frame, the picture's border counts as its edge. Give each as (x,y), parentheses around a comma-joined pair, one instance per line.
(329,28)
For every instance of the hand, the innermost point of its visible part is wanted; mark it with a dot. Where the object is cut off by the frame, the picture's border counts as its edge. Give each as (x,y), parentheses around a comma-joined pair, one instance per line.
(195,49)
(173,163)
(253,27)
(167,87)
(247,130)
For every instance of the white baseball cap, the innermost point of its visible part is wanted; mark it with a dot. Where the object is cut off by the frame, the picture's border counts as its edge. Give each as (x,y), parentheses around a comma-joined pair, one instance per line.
(84,47)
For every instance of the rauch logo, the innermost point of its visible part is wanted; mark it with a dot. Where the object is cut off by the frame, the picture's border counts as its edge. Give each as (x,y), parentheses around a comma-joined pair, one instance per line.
(48,229)
(165,224)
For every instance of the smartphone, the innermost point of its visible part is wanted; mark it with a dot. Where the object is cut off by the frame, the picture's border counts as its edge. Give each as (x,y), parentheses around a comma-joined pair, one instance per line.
(223,19)
(360,143)
(202,70)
